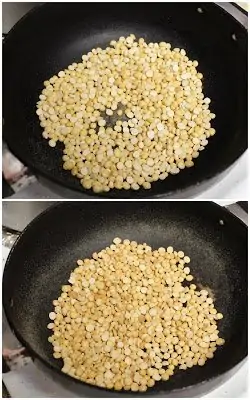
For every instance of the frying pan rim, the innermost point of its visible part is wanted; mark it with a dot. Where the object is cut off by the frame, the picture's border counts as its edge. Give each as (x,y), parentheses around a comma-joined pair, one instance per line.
(34,354)
(146,193)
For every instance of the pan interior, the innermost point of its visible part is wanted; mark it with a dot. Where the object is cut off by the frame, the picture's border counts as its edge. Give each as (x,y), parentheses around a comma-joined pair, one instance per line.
(47,252)
(52,37)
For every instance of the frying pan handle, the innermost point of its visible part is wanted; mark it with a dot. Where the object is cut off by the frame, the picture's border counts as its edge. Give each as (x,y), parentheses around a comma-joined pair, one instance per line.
(239,210)
(9,236)
(240,8)
(238,12)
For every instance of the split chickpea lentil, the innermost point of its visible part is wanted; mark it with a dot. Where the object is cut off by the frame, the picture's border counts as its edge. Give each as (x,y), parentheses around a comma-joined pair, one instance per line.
(128,318)
(128,115)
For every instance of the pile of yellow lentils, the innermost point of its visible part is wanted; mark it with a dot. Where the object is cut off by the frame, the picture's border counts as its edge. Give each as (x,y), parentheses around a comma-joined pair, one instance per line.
(128,115)
(130,316)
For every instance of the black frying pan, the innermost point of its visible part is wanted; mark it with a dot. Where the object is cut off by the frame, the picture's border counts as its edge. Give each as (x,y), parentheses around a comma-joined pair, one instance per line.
(52,36)
(46,252)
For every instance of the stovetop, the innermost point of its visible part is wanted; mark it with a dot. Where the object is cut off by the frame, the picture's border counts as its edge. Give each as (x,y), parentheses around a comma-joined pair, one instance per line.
(29,378)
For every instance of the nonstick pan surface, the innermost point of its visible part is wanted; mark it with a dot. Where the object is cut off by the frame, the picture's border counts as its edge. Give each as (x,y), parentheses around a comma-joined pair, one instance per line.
(54,35)
(46,253)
